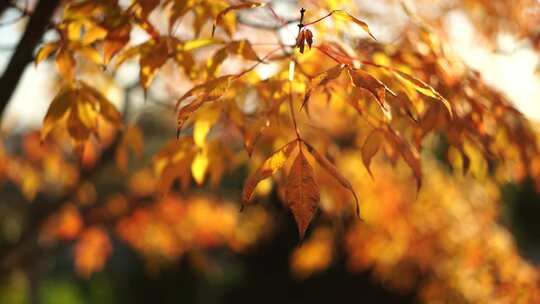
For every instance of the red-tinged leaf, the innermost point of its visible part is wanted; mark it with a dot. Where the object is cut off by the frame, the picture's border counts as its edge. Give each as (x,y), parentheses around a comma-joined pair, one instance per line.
(59,107)
(117,38)
(330,168)
(45,51)
(321,80)
(336,53)
(346,16)
(340,14)
(302,193)
(424,89)
(267,169)
(151,62)
(378,89)
(408,153)
(309,38)
(371,147)
(300,41)
(221,15)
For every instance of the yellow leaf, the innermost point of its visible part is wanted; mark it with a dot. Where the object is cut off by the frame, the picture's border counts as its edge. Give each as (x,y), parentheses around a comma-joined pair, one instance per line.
(221,15)
(267,169)
(92,55)
(346,16)
(151,62)
(371,147)
(58,109)
(330,168)
(302,193)
(423,88)
(45,51)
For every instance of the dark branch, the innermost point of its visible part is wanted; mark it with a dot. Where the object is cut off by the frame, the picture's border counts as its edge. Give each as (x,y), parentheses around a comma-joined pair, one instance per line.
(24,53)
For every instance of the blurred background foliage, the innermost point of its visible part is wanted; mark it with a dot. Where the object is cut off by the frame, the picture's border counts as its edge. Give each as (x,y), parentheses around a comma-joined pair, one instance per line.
(94,221)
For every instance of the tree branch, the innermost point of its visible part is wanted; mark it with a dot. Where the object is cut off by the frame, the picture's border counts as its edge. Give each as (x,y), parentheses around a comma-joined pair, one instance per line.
(24,53)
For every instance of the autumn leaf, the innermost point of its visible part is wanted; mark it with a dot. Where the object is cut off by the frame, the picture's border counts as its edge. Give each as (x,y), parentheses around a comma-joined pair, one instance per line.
(301,41)
(410,156)
(58,109)
(424,89)
(371,147)
(365,81)
(330,168)
(343,15)
(302,193)
(117,38)
(45,51)
(321,80)
(203,93)
(267,169)
(221,15)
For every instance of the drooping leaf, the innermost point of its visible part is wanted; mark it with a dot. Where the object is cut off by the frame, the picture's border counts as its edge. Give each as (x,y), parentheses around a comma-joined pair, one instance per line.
(267,169)
(301,41)
(348,17)
(59,107)
(221,15)
(371,147)
(321,80)
(302,193)
(152,61)
(424,89)
(117,38)
(330,168)
(378,89)
(65,63)
(45,51)
(203,93)
(309,38)
(408,153)
(343,15)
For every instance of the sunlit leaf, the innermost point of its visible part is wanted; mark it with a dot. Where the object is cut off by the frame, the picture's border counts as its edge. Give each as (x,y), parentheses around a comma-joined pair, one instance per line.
(302,193)
(267,169)
(221,15)
(371,147)
(330,168)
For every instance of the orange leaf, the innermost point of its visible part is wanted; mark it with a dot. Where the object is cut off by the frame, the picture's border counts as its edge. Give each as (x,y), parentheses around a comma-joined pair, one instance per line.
(378,89)
(302,193)
(424,89)
(371,147)
(57,110)
(267,169)
(410,156)
(328,166)
(323,79)
(245,5)
(45,51)
(346,16)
